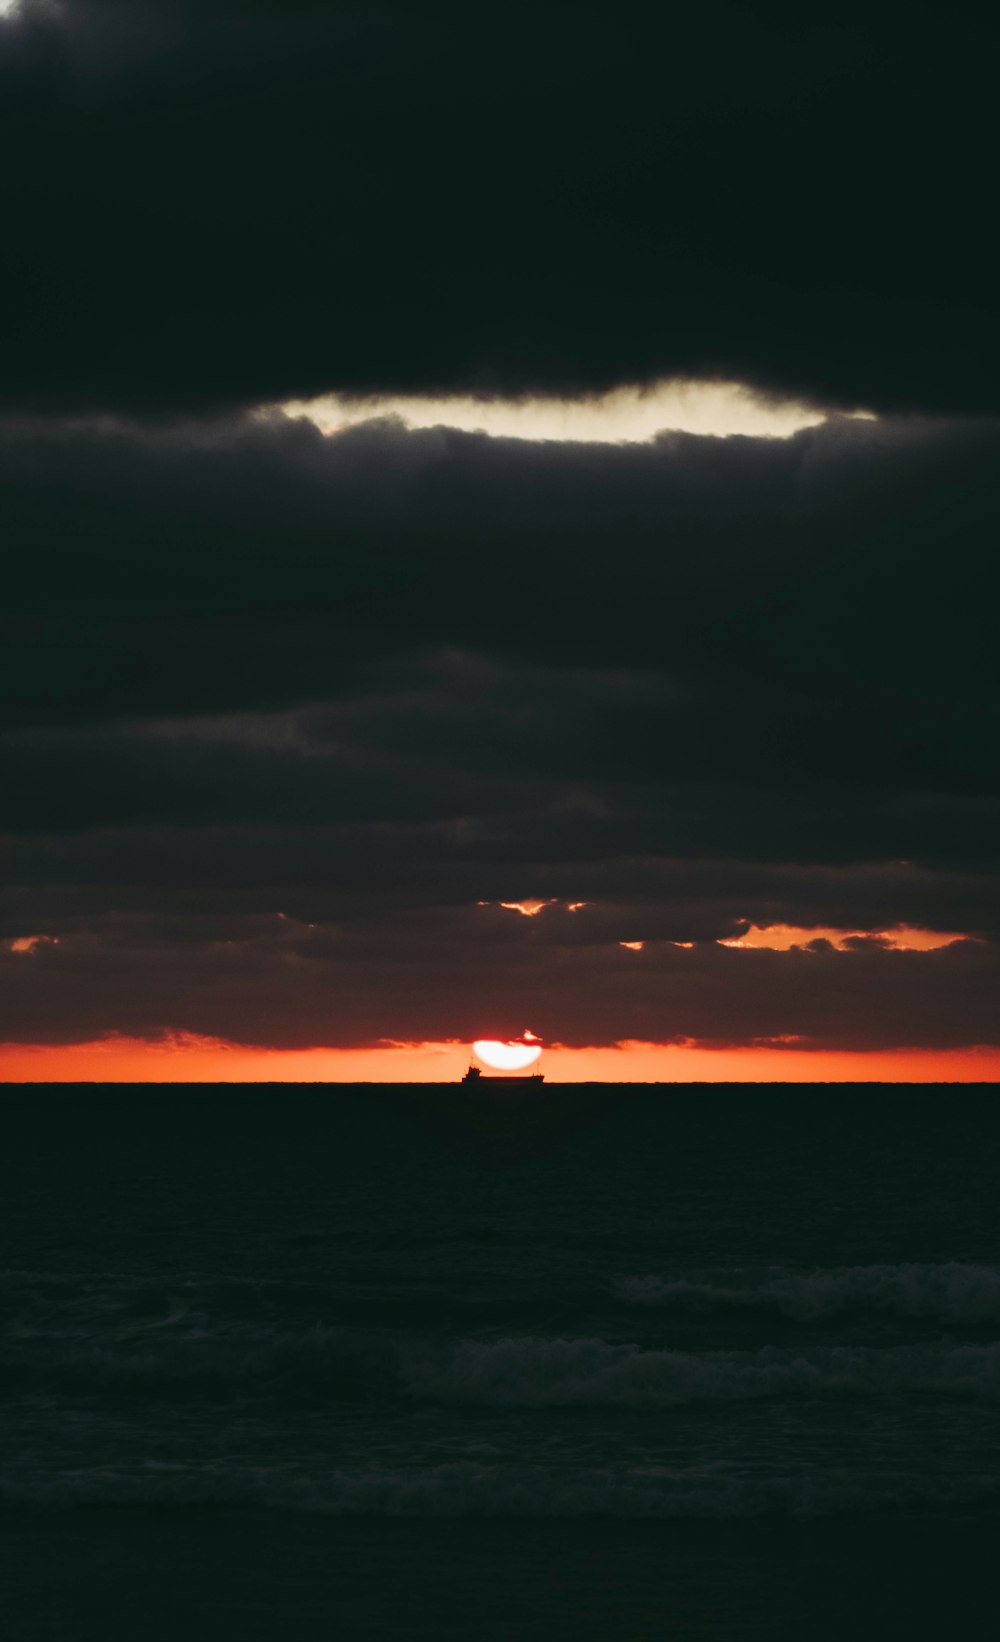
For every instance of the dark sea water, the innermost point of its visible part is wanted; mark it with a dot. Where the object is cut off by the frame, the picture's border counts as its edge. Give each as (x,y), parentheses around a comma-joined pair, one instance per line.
(598,1363)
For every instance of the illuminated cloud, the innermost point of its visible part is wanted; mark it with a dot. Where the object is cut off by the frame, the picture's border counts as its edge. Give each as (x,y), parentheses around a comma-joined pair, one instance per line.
(783,937)
(626,415)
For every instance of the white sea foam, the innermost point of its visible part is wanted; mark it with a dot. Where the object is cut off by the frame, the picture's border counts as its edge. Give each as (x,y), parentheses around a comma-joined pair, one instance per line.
(530,1372)
(950,1291)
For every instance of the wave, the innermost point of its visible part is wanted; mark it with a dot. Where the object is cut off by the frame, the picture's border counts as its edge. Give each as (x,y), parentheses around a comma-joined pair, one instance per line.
(949,1291)
(524,1371)
(467,1489)
(542,1373)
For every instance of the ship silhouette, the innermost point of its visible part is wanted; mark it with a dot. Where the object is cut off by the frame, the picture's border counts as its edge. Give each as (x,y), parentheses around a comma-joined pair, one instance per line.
(499,1080)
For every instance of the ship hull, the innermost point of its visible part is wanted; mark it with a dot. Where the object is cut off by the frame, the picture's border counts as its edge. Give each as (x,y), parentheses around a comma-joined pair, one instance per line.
(499,1081)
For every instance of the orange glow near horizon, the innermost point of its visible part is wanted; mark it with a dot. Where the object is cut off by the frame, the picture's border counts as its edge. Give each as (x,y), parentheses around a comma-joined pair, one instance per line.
(186,1059)
(901,937)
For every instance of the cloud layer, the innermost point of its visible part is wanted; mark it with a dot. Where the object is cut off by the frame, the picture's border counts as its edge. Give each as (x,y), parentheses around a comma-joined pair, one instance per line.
(285,719)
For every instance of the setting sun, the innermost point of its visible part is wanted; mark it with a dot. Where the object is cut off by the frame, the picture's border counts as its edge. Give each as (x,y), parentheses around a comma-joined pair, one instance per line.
(506,1057)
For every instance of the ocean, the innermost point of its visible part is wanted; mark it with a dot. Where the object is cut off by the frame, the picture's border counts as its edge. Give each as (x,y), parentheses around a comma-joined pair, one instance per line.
(618,1363)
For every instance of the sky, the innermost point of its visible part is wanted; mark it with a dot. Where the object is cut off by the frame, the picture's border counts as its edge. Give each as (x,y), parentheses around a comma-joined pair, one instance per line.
(499,531)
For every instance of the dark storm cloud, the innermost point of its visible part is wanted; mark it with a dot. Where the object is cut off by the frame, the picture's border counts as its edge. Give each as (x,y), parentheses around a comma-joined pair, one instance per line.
(250,565)
(345,935)
(515,761)
(295,986)
(280,710)
(219,203)
(223,882)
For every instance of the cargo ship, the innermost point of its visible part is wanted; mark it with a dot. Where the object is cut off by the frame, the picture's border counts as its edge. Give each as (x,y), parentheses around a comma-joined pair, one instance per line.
(497,1080)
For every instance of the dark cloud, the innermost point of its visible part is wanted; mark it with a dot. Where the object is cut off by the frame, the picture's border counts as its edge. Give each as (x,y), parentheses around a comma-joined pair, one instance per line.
(225,203)
(281,711)
(439,976)
(284,718)
(252,565)
(523,764)
(348,934)
(327,874)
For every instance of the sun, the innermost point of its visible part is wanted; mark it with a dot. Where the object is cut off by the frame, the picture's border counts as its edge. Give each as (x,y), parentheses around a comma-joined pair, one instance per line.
(507,1057)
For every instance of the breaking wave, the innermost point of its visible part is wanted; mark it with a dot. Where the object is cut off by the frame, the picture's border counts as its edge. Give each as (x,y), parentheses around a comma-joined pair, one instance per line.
(539,1373)
(523,1371)
(950,1291)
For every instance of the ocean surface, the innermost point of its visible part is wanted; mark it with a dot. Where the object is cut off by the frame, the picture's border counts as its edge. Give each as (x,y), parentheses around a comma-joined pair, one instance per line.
(604,1363)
